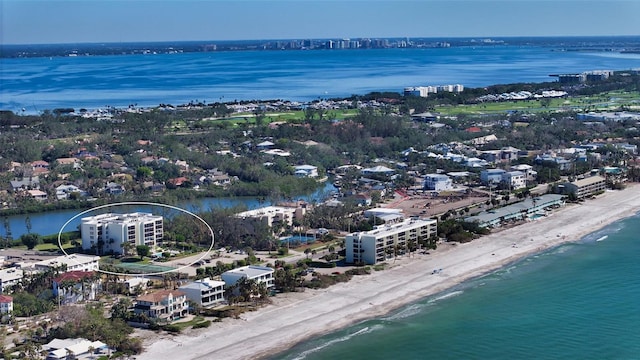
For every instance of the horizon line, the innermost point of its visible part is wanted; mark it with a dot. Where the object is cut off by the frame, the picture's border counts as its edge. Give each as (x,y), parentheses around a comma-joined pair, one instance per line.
(322,38)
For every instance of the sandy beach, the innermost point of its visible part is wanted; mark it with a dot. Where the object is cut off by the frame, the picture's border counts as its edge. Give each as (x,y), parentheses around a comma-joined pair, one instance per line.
(294,317)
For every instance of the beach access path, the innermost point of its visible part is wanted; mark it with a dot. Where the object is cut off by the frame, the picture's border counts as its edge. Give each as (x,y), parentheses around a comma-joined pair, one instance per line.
(294,317)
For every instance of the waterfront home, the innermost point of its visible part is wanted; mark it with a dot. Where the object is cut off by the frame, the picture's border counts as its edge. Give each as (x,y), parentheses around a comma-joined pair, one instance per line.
(260,274)
(59,349)
(205,292)
(377,170)
(304,171)
(112,188)
(371,247)
(38,195)
(163,305)
(32,182)
(63,192)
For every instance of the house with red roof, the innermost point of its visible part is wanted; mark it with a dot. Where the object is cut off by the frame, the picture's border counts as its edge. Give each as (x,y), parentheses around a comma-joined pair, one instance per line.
(76,286)
(163,305)
(6,304)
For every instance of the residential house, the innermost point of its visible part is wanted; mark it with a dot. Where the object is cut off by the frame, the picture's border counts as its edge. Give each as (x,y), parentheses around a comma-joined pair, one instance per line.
(377,170)
(261,274)
(205,292)
(491,176)
(135,284)
(529,173)
(178,182)
(163,305)
(514,180)
(437,182)
(265,145)
(303,171)
(62,349)
(26,183)
(75,262)
(76,286)
(6,304)
(113,188)
(371,247)
(63,192)
(75,163)
(40,167)
(38,195)
(10,277)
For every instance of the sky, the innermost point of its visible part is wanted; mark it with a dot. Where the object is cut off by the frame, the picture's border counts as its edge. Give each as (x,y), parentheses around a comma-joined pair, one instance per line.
(90,21)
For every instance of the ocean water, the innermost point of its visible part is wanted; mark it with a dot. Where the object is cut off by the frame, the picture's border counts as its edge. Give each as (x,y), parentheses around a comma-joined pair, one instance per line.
(36,84)
(576,301)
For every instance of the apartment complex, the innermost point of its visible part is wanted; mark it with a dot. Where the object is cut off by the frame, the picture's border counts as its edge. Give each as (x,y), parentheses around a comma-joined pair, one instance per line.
(371,247)
(586,187)
(107,233)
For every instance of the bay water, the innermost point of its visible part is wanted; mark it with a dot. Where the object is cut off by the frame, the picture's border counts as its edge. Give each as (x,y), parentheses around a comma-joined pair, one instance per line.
(576,301)
(39,83)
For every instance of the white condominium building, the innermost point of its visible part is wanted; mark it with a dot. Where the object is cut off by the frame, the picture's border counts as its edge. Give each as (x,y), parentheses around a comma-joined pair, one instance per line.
(108,232)
(73,262)
(373,246)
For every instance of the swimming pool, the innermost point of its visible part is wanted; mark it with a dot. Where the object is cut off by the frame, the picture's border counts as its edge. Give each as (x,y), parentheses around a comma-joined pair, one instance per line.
(297,239)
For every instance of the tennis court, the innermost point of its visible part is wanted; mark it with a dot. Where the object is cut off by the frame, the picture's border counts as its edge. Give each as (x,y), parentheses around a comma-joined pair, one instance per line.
(135,268)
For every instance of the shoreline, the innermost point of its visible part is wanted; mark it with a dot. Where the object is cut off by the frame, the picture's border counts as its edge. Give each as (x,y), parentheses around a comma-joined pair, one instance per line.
(296,317)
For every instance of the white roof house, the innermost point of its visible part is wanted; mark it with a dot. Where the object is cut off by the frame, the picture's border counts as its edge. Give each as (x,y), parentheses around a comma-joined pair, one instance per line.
(74,262)
(437,182)
(306,171)
(205,292)
(261,274)
(9,277)
(60,348)
(379,170)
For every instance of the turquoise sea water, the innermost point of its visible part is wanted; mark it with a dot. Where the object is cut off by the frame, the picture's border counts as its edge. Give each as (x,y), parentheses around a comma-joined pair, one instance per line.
(577,301)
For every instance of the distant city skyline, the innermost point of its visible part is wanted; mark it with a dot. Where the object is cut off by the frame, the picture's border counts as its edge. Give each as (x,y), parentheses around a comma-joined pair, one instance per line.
(91,21)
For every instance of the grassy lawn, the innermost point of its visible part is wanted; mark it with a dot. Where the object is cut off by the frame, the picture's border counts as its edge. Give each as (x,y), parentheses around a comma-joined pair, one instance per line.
(50,247)
(601,102)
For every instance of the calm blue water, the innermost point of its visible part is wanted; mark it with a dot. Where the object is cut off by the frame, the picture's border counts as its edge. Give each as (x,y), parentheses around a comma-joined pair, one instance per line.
(577,301)
(51,222)
(148,80)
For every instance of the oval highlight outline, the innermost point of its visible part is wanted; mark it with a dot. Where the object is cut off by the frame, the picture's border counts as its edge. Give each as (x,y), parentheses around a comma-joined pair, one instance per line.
(139,203)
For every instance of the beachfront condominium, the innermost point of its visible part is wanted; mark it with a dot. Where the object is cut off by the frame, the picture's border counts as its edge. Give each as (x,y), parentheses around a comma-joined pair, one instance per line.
(108,233)
(375,246)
